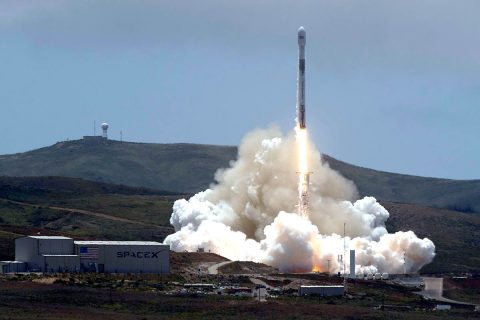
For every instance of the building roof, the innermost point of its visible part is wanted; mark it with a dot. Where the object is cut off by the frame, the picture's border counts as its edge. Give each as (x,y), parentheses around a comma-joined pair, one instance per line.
(118,243)
(12,262)
(50,237)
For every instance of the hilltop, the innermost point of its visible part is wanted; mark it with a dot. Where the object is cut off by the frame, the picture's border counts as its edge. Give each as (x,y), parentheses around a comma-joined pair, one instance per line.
(189,168)
(177,167)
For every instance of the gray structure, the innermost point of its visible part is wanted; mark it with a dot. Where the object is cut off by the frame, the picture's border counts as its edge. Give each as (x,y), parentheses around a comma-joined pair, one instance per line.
(352,264)
(12,266)
(62,254)
(325,291)
(37,252)
(123,256)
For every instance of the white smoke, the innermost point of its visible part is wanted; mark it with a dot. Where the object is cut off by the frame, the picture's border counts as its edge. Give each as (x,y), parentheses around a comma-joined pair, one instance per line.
(250,214)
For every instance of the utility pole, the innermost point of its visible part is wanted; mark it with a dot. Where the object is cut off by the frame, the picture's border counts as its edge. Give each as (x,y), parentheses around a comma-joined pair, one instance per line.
(344,255)
(328,266)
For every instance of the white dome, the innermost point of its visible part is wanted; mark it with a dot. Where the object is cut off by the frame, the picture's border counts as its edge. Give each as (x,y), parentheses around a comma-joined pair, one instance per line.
(104,126)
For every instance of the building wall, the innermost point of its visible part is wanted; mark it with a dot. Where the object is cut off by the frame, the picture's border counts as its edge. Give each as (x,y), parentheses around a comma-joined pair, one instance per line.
(62,263)
(127,258)
(11,266)
(32,249)
(55,254)
(56,246)
(26,250)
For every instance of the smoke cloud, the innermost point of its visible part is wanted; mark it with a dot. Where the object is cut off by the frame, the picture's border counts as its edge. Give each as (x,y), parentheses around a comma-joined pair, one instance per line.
(250,214)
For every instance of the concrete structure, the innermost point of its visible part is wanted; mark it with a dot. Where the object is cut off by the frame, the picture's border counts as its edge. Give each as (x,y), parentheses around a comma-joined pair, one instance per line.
(12,266)
(34,250)
(325,291)
(352,264)
(123,256)
(62,254)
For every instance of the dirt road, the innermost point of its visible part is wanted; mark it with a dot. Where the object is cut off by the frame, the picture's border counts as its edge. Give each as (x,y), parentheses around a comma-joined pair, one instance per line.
(214,269)
(85,212)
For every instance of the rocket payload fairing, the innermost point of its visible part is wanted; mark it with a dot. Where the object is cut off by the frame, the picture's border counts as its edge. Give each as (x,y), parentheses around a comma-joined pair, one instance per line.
(301,79)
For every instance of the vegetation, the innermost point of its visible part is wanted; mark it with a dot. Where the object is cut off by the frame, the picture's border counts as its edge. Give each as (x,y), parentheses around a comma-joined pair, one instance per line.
(189,168)
(462,289)
(80,209)
(178,167)
(460,195)
(90,210)
(92,296)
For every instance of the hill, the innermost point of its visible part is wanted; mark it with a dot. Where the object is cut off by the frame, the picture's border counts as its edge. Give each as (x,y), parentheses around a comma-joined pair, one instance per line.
(189,168)
(89,210)
(458,195)
(456,235)
(177,167)
(80,209)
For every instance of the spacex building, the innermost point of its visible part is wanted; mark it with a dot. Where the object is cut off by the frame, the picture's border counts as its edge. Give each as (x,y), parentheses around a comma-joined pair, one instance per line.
(62,254)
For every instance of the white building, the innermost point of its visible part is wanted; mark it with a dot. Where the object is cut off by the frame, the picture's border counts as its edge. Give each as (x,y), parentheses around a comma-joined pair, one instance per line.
(63,254)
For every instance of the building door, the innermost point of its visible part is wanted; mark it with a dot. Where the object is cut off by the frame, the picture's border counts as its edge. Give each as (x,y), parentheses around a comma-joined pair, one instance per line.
(5,268)
(101,268)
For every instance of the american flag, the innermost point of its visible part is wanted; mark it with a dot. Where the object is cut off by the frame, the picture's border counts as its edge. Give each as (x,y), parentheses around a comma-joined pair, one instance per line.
(88,252)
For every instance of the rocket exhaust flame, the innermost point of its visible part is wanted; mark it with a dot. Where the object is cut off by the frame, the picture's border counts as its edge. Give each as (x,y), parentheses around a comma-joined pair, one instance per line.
(303,172)
(258,210)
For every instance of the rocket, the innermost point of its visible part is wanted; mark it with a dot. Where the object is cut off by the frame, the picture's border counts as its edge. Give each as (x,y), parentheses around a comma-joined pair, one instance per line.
(301,79)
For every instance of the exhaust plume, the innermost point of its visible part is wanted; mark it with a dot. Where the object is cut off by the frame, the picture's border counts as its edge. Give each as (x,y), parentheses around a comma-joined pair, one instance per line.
(250,213)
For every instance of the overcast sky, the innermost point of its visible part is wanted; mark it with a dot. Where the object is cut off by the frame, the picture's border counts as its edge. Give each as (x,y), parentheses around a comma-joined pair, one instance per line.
(391,85)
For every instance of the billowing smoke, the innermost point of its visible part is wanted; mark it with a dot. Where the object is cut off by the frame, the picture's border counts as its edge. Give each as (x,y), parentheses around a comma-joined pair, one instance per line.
(250,214)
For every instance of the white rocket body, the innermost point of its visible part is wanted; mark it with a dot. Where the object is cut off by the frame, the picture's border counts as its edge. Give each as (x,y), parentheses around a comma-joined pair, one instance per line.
(301,79)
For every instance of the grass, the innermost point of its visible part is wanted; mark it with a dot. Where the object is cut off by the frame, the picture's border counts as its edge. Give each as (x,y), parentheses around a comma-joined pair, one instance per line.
(141,297)
(456,235)
(34,205)
(467,290)
(189,168)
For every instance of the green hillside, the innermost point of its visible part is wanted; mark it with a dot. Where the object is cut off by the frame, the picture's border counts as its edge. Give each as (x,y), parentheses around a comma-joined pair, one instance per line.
(90,210)
(189,168)
(459,195)
(80,209)
(177,167)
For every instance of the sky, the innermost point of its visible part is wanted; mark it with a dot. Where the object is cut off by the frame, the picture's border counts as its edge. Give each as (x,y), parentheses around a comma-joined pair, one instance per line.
(390,85)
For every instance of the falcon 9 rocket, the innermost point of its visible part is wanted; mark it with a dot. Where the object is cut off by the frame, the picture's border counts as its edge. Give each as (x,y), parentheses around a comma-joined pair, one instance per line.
(301,79)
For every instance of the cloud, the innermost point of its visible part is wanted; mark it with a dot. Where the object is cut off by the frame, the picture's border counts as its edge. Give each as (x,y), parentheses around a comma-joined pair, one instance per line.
(250,214)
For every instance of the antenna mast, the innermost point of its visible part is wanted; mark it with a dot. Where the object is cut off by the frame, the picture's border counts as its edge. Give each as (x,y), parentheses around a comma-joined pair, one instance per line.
(344,255)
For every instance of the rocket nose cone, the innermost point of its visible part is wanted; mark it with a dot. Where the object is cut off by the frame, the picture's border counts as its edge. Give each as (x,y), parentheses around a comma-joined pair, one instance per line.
(301,31)
(301,37)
